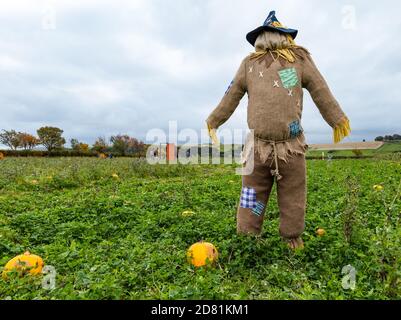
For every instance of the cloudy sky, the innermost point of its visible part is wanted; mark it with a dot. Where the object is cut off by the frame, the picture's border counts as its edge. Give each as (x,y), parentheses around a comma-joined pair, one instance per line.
(102,67)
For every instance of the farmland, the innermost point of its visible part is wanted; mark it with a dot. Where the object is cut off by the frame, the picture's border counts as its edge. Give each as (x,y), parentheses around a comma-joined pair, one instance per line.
(366,149)
(115,229)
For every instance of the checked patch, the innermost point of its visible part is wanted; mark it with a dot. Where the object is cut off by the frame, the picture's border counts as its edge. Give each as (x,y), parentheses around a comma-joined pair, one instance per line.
(295,129)
(289,77)
(258,209)
(248,198)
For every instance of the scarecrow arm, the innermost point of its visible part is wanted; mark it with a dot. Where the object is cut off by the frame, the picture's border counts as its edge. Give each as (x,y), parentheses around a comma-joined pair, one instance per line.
(328,106)
(229,103)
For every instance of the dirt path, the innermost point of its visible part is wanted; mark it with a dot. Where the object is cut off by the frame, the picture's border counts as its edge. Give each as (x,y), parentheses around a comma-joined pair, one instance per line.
(347,146)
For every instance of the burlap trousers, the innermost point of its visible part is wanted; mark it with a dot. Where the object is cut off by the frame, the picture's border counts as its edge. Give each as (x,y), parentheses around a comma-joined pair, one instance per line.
(291,193)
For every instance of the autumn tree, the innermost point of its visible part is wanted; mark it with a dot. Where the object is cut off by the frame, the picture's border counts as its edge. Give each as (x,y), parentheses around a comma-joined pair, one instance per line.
(124,144)
(27,141)
(120,144)
(79,146)
(10,138)
(51,138)
(83,147)
(74,143)
(136,146)
(100,145)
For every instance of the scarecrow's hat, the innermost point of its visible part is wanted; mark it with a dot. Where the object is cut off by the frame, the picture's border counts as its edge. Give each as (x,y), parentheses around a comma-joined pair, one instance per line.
(271,23)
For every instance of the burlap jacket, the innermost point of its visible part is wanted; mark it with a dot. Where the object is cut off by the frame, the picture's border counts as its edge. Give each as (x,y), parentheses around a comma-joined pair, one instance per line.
(275,98)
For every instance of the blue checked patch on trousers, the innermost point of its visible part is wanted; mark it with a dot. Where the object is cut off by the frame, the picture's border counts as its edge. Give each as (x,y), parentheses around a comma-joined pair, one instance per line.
(248,198)
(258,209)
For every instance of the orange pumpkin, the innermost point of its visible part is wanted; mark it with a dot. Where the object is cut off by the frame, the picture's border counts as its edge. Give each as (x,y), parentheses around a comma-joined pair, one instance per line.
(202,253)
(1,156)
(23,264)
(320,232)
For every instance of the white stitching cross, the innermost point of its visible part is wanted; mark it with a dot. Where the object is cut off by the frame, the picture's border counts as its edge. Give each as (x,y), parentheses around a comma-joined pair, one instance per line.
(260,74)
(290,92)
(276,85)
(250,69)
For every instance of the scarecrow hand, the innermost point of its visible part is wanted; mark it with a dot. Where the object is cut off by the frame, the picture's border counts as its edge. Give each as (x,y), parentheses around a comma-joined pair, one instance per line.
(213,135)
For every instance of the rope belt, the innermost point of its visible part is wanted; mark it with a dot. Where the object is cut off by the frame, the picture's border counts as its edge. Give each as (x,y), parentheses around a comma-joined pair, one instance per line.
(273,143)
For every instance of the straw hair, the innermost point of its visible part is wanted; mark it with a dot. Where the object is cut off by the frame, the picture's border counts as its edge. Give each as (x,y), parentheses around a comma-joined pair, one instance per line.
(275,43)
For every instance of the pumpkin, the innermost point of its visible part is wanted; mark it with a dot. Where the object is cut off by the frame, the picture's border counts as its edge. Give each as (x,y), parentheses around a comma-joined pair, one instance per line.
(320,232)
(23,264)
(188,213)
(378,187)
(1,156)
(201,254)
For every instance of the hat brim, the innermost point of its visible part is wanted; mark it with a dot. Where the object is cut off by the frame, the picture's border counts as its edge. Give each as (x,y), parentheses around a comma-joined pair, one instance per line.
(253,35)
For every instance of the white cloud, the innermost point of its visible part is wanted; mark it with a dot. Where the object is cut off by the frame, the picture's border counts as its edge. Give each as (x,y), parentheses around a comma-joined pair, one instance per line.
(96,94)
(8,63)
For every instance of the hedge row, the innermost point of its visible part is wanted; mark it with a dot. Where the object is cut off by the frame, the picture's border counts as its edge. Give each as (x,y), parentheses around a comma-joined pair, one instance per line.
(56,153)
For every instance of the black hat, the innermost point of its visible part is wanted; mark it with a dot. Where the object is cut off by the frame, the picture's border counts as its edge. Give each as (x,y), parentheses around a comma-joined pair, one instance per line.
(271,23)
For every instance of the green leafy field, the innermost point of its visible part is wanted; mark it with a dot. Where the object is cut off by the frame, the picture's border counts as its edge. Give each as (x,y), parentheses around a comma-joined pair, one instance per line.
(125,237)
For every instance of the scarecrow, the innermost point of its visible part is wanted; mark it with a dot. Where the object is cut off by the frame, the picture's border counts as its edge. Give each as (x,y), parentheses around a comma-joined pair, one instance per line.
(274,77)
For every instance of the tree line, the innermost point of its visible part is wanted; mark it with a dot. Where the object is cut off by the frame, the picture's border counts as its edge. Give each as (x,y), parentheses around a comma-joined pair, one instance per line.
(51,138)
(394,137)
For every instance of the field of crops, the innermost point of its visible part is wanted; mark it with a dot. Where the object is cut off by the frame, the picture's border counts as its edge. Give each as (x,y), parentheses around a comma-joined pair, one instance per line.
(115,229)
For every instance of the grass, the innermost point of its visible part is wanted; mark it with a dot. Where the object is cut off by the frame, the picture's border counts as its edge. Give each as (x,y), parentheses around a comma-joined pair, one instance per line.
(125,237)
(387,148)
(394,146)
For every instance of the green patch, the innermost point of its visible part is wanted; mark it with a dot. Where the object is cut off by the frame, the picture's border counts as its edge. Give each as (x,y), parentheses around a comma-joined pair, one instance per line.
(288,77)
